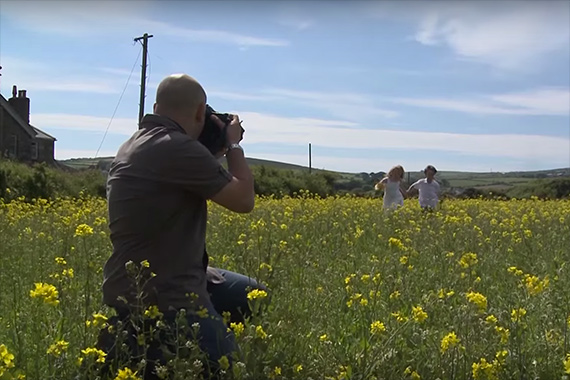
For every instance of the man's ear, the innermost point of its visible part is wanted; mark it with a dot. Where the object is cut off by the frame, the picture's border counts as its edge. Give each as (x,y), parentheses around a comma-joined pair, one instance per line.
(154,108)
(200,116)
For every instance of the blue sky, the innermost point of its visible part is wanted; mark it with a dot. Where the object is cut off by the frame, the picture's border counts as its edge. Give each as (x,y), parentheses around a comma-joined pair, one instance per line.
(471,86)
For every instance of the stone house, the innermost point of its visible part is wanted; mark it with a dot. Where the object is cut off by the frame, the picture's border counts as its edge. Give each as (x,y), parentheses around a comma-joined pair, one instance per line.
(18,139)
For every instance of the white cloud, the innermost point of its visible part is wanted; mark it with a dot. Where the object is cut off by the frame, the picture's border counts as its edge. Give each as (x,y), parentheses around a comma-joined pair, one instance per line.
(64,154)
(216,36)
(53,76)
(121,126)
(239,96)
(374,164)
(349,106)
(116,18)
(271,130)
(551,101)
(268,129)
(115,71)
(507,34)
(71,85)
(542,101)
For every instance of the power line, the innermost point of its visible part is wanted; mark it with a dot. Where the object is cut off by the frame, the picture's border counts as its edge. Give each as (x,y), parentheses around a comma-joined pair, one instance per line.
(118,103)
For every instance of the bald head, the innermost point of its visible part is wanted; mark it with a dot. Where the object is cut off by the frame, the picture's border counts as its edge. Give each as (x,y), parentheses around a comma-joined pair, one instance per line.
(181,98)
(179,92)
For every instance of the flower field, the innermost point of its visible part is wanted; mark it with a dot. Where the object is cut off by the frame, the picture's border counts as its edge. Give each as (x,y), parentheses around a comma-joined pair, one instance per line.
(477,290)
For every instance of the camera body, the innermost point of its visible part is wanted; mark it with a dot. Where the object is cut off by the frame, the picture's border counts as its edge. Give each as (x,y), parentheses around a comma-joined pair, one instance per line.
(213,137)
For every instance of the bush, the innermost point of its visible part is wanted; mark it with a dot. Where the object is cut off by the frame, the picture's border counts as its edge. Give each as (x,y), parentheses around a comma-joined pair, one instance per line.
(556,188)
(43,181)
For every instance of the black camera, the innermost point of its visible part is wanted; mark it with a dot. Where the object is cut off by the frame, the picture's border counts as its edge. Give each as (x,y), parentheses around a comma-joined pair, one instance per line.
(213,137)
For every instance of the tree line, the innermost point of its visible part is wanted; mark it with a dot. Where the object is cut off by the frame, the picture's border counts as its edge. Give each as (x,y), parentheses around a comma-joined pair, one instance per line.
(42,181)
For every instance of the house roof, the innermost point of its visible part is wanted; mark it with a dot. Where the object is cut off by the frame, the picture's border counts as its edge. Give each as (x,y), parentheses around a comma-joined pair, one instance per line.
(29,129)
(42,135)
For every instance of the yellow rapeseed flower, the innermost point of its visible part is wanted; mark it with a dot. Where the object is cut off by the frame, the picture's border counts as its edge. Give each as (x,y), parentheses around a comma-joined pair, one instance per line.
(449,341)
(224,363)
(468,259)
(237,327)
(93,352)
(503,333)
(57,348)
(484,370)
(127,374)
(377,327)
(256,293)
(60,261)
(260,333)
(517,314)
(566,364)
(419,314)
(6,359)
(152,312)
(491,319)
(477,299)
(48,293)
(202,312)
(83,230)
(396,243)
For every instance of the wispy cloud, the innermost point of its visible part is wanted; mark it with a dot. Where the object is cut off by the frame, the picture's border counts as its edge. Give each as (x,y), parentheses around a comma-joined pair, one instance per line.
(64,154)
(71,85)
(508,35)
(229,95)
(544,101)
(215,36)
(274,130)
(95,18)
(115,71)
(121,126)
(322,160)
(53,76)
(349,106)
(269,129)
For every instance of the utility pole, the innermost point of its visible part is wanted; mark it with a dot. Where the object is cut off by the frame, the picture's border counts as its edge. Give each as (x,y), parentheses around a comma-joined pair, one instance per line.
(1,129)
(310,163)
(144,38)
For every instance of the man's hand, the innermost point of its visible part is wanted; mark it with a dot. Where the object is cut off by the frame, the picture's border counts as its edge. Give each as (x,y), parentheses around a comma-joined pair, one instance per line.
(234,133)
(239,194)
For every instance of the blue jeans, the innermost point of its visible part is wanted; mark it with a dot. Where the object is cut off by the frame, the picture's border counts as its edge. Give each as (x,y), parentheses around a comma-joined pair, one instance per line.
(213,338)
(231,295)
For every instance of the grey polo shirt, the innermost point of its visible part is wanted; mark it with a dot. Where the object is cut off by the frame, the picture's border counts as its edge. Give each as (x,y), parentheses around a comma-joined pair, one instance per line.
(156,190)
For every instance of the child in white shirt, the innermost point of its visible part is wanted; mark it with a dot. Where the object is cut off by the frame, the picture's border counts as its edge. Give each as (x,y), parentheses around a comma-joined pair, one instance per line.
(428,188)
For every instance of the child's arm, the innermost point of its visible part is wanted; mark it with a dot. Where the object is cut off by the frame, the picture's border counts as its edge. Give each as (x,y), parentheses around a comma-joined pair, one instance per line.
(380,185)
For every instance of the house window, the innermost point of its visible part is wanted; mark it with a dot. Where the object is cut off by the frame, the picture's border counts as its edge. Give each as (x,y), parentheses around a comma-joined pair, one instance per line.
(13,146)
(35,150)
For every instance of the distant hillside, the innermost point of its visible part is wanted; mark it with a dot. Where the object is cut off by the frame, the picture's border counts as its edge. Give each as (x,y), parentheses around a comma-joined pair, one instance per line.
(103,162)
(364,182)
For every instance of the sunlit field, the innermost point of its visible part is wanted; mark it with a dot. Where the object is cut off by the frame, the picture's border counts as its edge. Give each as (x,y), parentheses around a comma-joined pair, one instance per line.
(479,289)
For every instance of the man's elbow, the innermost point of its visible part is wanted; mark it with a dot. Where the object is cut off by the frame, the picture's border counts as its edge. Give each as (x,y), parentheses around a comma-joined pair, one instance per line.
(246,206)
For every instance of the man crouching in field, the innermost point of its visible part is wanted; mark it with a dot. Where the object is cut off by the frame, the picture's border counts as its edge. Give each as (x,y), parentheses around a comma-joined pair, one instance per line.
(157,190)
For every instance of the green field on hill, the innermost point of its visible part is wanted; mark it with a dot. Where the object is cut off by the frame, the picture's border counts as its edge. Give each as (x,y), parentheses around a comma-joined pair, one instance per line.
(496,181)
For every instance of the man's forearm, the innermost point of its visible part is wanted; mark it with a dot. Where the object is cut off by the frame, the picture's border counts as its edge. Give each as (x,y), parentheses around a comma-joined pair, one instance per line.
(237,166)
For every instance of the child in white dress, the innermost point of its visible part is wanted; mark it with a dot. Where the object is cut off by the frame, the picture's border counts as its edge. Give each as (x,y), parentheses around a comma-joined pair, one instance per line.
(393,192)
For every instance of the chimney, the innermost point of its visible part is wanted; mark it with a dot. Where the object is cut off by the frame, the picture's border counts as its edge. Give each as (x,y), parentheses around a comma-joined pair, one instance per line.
(20,103)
